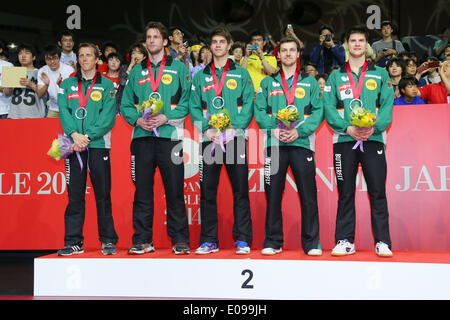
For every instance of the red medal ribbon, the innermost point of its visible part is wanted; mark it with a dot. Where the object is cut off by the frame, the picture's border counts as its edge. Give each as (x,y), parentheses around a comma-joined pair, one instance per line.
(290,96)
(155,84)
(84,99)
(218,87)
(356,91)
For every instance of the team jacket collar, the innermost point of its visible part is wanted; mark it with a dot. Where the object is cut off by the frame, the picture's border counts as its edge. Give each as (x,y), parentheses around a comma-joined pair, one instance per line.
(370,66)
(80,77)
(169,60)
(277,76)
(207,69)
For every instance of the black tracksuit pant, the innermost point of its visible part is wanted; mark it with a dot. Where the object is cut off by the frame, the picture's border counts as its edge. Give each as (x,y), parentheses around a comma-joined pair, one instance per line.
(99,163)
(146,154)
(236,165)
(302,164)
(374,167)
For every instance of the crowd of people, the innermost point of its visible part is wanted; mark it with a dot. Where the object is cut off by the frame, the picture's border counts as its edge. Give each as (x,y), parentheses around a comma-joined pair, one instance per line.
(87,91)
(54,63)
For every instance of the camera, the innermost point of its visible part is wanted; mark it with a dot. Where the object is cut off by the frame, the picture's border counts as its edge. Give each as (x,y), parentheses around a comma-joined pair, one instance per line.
(254,47)
(327,38)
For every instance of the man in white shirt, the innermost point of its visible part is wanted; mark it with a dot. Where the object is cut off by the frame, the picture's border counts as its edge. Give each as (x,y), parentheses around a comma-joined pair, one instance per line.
(5,93)
(50,77)
(66,43)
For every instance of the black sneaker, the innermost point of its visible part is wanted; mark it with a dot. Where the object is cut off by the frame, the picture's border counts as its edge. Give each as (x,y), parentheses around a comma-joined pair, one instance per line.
(141,248)
(108,249)
(181,248)
(69,250)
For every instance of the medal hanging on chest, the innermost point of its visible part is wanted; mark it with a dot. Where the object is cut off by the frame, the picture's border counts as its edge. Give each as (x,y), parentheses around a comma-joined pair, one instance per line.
(356,102)
(218,102)
(81,112)
(290,95)
(155,83)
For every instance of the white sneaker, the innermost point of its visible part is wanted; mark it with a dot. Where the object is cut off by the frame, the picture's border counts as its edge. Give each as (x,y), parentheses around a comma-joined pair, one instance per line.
(343,248)
(271,251)
(382,249)
(315,252)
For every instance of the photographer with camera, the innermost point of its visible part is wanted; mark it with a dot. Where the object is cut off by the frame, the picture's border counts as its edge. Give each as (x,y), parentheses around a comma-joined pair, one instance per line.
(328,53)
(179,49)
(258,63)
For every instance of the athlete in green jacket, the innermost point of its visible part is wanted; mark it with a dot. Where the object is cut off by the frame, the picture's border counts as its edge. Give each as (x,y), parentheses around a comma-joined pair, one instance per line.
(292,146)
(167,79)
(372,86)
(87,114)
(223,85)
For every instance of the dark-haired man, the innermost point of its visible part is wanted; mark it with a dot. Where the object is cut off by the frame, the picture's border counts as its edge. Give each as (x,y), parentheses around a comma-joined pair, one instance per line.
(223,85)
(258,63)
(386,48)
(328,53)
(50,78)
(292,147)
(359,83)
(161,77)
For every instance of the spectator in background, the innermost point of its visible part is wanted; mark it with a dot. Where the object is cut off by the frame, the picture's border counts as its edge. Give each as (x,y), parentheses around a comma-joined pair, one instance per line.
(410,67)
(113,62)
(408,91)
(328,53)
(205,57)
(427,75)
(5,93)
(108,47)
(66,42)
(50,78)
(179,49)
(237,52)
(441,44)
(322,80)
(25,102)
(258,63)
(438,93)
(447,53)
(194,54)
(310,68)
(386,48)
(395,68)
(136,53)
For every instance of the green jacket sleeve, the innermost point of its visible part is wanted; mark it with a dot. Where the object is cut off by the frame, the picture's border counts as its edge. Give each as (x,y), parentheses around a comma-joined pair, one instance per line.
(248,93)
(127,107)
(262,118)
(66,119)
(330,100)
(107,118)
(195,105)
(310,125)
(384,116)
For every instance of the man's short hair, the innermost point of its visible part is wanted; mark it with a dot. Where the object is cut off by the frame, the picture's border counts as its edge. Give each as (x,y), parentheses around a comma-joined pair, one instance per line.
(256,33)
(27,47)
(359,30)
(65,33)
(89,45)
(221,32)
(289,39)
(111,45)
(326,27)
(51,50)
(157,25)
(406,81)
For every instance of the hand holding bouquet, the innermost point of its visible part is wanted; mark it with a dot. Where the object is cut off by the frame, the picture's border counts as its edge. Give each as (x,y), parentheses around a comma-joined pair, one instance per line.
(62,148)
(151,108)
(221,124)
(363,120)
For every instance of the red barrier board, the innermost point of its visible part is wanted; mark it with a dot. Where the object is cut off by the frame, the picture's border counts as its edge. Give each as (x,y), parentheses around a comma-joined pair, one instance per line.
(33,192)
